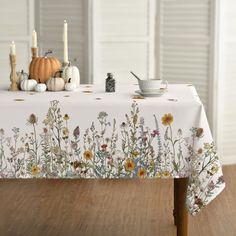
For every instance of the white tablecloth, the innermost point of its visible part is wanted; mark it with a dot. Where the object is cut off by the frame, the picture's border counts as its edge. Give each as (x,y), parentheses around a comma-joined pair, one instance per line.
(92,134)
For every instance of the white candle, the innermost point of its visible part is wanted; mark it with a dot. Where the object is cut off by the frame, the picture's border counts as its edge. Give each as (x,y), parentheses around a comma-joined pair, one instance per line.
(65,40)
(34,39)
(13,48)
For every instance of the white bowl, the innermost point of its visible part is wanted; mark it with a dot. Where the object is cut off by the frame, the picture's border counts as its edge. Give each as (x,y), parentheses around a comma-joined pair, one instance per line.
(152,85)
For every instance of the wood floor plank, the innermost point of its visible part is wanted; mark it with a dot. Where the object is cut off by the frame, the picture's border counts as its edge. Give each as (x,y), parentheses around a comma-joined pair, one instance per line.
(107,208)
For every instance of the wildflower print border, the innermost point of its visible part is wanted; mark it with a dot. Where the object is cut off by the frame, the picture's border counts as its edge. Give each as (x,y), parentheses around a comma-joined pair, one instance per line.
(56,152)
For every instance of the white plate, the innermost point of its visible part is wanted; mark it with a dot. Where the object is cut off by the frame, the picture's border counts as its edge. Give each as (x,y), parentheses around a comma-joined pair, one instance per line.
(156,93)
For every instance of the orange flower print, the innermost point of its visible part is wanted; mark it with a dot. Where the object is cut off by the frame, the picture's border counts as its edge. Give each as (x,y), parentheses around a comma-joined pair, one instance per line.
(34,170)
(142,173)
(199,132)
(88,155)
(167,119)
(200,151)
(129,165)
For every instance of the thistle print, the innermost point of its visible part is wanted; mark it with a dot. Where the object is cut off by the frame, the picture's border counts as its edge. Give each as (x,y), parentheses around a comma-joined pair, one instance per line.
(130,149)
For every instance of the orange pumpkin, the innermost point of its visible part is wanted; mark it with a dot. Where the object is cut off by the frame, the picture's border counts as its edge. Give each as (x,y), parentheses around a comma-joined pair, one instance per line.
(42,68)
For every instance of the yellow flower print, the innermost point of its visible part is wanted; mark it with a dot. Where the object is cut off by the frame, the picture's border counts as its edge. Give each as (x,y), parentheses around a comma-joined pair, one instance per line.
(34,170)
(88,155)
(142,173)
(129,165)
(167,119)
(166,174)
(65,131)
(214,169)
(158,175)
(66,117)
(135,153)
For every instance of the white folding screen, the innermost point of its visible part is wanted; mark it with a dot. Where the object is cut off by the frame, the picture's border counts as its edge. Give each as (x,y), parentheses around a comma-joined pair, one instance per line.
(184,51)
(123,38)
(50,16)
(227,82)
(16,23)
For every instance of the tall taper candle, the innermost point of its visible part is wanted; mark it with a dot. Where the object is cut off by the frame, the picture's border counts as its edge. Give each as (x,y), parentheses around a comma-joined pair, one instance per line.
(65,40)
(12,48)
(34,39)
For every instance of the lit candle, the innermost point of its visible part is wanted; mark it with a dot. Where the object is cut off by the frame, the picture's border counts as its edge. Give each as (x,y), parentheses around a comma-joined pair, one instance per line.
(34,39)
(13,48)
(65,40)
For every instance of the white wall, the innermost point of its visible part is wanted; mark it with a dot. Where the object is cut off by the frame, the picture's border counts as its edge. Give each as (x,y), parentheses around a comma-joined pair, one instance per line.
(16,23)
(123,39)
(227,82)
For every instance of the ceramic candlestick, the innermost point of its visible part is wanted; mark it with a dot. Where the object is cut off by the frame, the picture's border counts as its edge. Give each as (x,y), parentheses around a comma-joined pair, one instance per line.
(34,52)
(13,75)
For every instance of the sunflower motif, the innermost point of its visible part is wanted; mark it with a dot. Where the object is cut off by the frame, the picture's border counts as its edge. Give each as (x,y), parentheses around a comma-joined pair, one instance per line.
(167,119)
(88,155)
(129,165)
(34,170)
(166,174)
(142,173)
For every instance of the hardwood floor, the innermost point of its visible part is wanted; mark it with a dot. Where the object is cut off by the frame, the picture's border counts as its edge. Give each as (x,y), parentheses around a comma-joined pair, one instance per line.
(107,208)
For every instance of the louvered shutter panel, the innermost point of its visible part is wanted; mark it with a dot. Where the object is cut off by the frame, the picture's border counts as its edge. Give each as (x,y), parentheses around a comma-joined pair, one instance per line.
(227,83)
(184,52)
(50,19)
(16,23)
(123,38)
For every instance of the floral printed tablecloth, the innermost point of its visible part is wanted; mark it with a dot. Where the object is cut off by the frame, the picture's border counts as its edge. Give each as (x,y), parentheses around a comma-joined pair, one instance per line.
(92,134)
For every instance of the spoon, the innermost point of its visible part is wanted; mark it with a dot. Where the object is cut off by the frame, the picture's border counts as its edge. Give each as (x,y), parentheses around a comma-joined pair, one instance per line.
(135,76)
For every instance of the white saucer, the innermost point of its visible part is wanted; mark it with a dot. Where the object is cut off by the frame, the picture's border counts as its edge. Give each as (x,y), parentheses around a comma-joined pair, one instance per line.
(154,93)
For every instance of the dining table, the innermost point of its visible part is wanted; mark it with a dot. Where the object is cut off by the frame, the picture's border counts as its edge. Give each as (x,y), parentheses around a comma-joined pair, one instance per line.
(89,133)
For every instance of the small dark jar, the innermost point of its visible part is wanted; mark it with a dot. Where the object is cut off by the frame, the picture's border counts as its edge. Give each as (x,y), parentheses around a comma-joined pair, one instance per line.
(110,83)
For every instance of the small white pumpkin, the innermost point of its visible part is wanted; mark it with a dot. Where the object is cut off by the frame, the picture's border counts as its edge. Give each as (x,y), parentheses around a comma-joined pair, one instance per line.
(70,86)
(71,72)
(40,87)
(56,84)
(28,84)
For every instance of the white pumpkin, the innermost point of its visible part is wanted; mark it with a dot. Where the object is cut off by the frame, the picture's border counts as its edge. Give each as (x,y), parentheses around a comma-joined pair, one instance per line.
(70,86)
(40,87)
(28,84)
(56,84)
(71,72)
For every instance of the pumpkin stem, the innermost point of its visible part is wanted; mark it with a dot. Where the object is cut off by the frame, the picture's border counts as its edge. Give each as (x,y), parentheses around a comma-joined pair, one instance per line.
(69,81)
(48,52)
(57,72)
(22,71)
(39,81)
(69,64)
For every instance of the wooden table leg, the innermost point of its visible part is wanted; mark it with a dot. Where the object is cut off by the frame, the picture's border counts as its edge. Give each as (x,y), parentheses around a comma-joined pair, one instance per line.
(175,200)
(180,211)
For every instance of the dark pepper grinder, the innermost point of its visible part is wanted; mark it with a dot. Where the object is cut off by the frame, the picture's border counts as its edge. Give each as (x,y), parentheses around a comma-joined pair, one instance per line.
(110,83)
